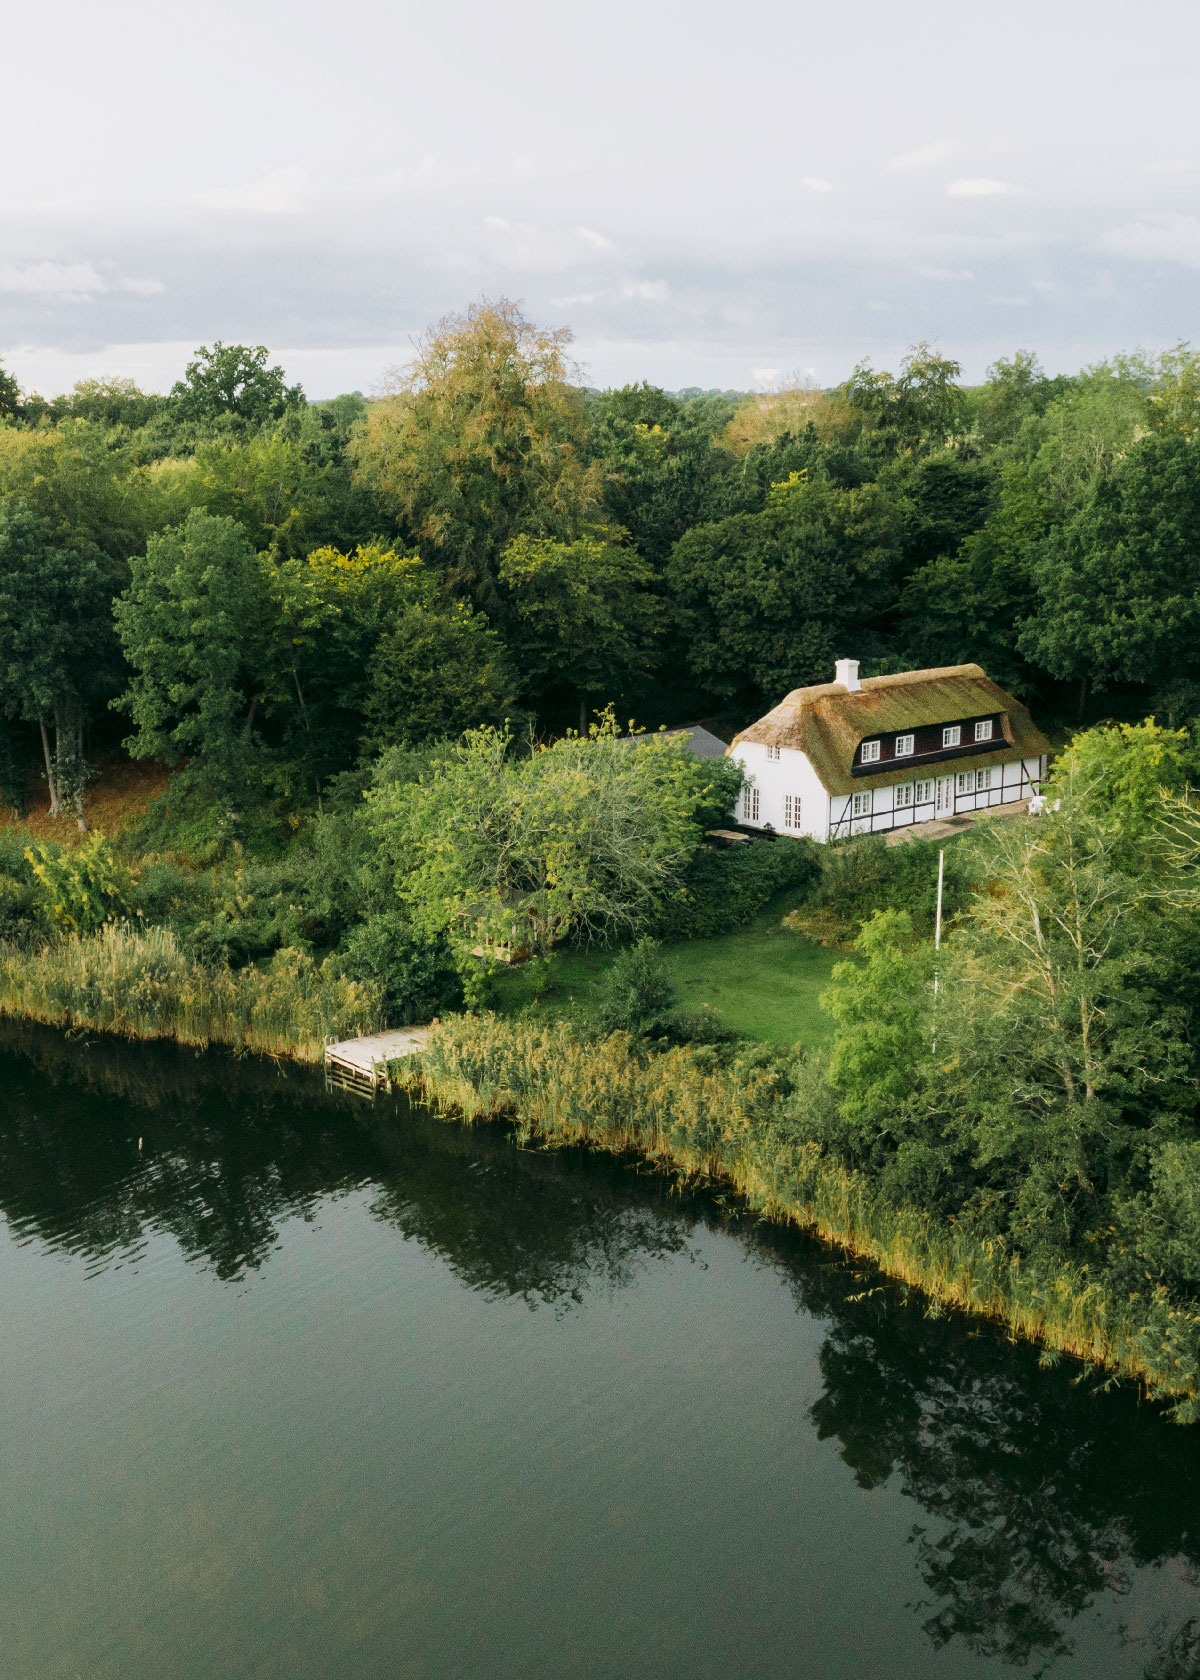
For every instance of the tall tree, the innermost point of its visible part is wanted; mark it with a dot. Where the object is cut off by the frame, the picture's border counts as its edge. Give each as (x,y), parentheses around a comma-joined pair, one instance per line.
(56,644)
(479,441)
(234,383)
(195,623)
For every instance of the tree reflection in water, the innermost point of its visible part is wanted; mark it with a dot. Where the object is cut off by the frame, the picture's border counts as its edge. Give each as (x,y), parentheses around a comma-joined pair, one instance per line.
(1039,1489)
(1038,1493)
(234,1148)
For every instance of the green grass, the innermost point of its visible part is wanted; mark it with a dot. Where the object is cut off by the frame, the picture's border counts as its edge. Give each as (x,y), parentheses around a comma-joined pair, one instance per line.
(763,981)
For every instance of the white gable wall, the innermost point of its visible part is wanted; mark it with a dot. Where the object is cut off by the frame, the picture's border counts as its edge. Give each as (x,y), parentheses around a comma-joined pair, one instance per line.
(774,779)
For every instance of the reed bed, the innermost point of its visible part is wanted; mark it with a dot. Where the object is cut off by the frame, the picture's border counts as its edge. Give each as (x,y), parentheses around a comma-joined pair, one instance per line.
(741,1126)
(140,983)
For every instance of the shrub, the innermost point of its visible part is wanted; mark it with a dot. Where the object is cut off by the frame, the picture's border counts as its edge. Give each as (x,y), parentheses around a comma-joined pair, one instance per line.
(636,995)
(415,974)
(723,889)
(861,876)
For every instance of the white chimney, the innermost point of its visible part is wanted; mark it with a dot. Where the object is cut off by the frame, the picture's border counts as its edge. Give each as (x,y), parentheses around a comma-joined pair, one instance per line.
(846,673)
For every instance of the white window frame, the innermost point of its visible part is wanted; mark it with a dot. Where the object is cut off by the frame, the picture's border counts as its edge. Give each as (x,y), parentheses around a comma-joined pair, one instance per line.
(952,735)
(924,792)
(983,780)
(905,746)
(750,803)
(904,796)
(860,804)
(791,811)
(870,752)
(773,754)
(984,730)
(965,781)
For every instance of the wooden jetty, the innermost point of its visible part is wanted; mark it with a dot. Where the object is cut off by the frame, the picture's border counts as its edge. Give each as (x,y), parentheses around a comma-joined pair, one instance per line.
(360,1064)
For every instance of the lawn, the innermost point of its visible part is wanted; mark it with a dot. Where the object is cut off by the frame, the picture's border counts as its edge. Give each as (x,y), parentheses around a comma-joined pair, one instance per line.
(763,981)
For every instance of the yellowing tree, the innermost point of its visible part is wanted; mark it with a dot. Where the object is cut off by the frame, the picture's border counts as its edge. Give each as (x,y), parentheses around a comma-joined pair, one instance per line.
(479,441)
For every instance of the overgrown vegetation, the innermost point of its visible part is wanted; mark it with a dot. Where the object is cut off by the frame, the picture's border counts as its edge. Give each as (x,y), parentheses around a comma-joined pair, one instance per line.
(388,653)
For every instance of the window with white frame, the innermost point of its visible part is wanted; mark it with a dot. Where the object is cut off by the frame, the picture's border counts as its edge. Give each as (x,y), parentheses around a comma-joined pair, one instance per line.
(965,782)
(861,804)
(750,804)
(904,795)
(773,754)
(791,810)
(870,752)
(983,780)
(923,793)
(905,745)
(952,735)
(983,731)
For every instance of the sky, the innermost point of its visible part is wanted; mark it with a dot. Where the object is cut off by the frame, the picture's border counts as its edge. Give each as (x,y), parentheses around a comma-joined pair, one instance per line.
(722,196)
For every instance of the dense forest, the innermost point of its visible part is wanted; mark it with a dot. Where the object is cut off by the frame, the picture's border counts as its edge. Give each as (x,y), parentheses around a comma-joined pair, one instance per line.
(270,592)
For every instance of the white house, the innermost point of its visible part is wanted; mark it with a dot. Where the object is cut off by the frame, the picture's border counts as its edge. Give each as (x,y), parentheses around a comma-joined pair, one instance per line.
(851,757)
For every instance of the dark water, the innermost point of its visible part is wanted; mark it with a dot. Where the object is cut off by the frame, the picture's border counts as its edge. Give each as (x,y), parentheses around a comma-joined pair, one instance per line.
(313,1388)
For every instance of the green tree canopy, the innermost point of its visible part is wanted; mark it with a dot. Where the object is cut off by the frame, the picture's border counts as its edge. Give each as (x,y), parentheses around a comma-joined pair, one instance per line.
(57,650)
(233,382)
(1119,581)
(765,602)
(583,619)
(195,623)
(582,839)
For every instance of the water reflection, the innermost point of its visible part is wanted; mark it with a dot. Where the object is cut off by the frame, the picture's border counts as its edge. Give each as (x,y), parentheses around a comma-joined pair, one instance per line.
(1041,1492)
(1039,1496)
(102,1144)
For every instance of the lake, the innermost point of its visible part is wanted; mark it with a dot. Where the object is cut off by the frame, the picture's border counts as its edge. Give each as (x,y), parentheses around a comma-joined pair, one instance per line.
(295,1384)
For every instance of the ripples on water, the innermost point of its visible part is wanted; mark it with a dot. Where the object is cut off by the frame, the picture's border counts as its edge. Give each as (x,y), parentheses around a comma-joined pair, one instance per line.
(307,1386)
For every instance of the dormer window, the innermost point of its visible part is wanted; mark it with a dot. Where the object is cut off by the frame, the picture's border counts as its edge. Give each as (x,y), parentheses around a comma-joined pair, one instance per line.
(952,735)
(870,752)
(905,745)
(983,731)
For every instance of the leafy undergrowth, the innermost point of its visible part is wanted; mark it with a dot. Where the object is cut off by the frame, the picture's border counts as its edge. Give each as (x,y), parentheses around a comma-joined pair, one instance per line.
(763,981)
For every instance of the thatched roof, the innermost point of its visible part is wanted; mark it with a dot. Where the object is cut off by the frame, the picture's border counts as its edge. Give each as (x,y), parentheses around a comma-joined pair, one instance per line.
(827,721)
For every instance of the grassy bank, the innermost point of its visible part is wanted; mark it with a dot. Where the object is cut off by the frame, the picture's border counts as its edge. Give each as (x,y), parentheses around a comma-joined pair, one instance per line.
(763,981)
(141,984)
(750,1123)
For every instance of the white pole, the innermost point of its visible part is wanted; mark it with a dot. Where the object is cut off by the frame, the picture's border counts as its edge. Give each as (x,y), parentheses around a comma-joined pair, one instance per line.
(937,934)
(937,931)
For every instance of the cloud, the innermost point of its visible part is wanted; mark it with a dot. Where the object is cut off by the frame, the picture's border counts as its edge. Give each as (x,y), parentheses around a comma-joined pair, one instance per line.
(500,223)
(933,273)
(938,152)
(66,282)
(766,378)
(280,192)
(814,183)
(649,291)
(143,286)
(1172,166)
(979,186)
(593,238)
(1170,238)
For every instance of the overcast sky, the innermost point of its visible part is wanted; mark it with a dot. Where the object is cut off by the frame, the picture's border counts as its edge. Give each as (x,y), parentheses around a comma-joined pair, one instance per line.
(708,195)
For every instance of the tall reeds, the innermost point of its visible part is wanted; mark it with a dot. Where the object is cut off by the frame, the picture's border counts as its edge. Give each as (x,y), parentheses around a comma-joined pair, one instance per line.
(141,984)
(740,1125)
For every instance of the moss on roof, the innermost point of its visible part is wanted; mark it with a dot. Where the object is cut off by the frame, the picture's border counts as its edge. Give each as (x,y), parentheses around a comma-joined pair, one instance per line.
(827,722)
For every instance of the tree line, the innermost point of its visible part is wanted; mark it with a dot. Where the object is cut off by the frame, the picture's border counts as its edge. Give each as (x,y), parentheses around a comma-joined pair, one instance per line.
(270,591)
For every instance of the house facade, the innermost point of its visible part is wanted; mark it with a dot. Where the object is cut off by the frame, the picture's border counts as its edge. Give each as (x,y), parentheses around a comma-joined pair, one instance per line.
(862,757)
